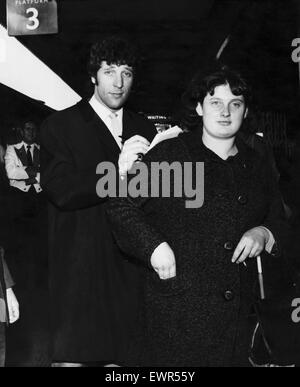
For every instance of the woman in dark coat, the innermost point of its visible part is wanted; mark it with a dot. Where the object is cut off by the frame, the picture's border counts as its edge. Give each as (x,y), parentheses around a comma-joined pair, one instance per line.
(197,277)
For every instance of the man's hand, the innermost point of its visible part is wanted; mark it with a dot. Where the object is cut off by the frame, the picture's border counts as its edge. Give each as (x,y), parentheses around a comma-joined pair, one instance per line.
(31,171)
(130,152)
(30,181)
(13,306)
(163,261)
(252,243)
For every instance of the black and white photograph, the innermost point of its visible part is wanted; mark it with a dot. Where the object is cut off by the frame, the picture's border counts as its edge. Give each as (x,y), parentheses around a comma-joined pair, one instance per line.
(150,186)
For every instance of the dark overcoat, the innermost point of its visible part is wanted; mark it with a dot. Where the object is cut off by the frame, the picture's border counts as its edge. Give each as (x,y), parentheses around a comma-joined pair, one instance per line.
(6,282)
(92,288)
(200,317)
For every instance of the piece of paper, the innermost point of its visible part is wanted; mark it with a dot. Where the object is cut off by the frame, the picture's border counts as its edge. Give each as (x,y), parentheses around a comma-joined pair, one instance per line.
(165,135)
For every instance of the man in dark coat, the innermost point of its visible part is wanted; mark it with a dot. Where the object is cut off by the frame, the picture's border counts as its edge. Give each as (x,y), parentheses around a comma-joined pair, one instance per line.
(93,288)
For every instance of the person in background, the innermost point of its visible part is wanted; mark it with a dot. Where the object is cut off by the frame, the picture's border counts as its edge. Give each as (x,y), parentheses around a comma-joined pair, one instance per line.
(25,244)
(22,161)
(22,164)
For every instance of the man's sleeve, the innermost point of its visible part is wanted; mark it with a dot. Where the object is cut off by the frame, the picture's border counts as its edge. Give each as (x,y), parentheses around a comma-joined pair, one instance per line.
(14,172)
(271,241)
(135,236)
(9,282)
(65,185)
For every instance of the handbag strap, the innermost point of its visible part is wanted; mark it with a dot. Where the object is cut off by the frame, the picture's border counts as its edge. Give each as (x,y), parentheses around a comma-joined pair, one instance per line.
(260,278)
(258,330)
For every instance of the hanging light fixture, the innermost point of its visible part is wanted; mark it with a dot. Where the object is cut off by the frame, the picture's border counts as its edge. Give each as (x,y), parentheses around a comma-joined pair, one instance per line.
(22,71)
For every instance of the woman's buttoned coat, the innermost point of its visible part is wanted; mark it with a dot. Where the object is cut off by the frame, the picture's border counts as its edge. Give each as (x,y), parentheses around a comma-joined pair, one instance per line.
(200,317)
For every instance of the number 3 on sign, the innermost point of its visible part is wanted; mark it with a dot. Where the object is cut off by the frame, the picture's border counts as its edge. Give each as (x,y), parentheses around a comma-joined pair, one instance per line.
(34,19)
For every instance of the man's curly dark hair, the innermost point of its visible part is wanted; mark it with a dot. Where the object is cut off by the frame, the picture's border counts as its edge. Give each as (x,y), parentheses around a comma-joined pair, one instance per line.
(201,85)
(114,50)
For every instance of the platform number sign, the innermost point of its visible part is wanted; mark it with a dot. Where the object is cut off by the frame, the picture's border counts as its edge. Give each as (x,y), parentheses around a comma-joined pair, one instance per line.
(31,17)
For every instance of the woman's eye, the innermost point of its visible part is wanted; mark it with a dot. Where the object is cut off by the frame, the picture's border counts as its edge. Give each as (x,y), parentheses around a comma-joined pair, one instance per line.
(128,75)
(237,105)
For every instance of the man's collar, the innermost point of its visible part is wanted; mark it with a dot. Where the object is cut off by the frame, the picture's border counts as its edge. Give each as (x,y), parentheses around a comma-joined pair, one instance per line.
(21,144)
(244,156)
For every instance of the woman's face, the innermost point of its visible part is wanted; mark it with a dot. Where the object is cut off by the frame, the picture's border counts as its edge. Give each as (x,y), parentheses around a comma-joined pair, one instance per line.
(223,113)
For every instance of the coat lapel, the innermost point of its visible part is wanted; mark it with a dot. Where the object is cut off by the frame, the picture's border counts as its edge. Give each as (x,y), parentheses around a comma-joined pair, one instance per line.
(129,129)
(21,153)
(98,128)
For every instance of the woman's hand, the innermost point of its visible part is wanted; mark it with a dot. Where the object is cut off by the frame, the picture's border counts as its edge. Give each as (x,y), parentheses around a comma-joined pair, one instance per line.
(163,261)
(13,306)
(252,243)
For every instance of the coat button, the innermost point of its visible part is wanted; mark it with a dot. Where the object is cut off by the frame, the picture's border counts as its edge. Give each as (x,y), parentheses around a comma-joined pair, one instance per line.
(228,246)
(228,295)
(242,199)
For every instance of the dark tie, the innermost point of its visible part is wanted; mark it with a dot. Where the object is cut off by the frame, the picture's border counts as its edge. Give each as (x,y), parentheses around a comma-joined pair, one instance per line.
(29,157)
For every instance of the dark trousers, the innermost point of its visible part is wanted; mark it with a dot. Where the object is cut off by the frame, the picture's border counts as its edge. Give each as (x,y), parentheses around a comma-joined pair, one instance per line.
(29,245)
(2,345)
(25,205)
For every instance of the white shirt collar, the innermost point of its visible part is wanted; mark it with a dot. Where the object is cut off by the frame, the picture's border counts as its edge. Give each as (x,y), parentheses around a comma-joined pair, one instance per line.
(103,111)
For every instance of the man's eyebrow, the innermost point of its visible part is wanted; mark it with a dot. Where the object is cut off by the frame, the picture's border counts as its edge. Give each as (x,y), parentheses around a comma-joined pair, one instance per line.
(114,66)
(241,99)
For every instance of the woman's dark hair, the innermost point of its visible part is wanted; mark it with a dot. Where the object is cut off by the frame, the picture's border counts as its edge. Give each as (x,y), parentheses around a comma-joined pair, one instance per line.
(114,50)
(201,85)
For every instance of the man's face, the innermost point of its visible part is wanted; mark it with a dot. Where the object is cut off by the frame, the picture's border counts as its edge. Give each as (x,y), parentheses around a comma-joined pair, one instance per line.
(223,113)
(29,132)
(113,85)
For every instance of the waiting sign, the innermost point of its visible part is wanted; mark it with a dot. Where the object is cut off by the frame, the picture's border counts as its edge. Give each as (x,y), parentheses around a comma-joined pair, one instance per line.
(31,17)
